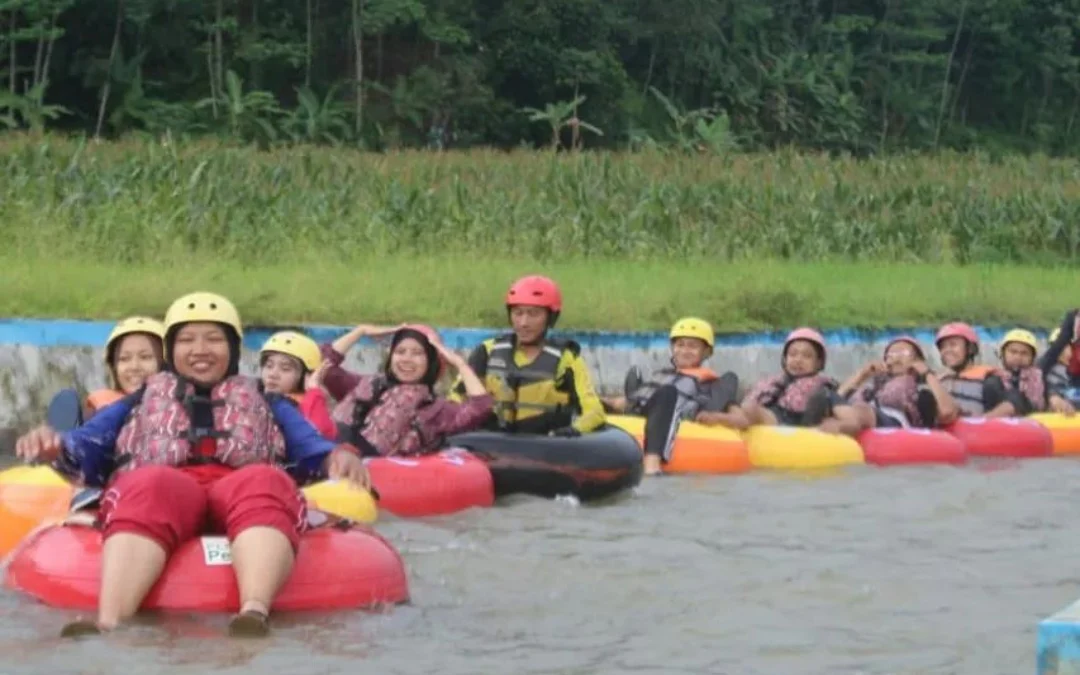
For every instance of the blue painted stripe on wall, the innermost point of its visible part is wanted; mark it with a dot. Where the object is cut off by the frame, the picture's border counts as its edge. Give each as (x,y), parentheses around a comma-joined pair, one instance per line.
(62,332)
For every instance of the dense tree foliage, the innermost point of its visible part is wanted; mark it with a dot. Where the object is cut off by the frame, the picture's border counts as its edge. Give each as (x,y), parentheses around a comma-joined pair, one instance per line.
(857,75)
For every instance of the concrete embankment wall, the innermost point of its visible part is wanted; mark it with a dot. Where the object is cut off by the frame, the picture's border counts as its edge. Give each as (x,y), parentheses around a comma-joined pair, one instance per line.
(40,357)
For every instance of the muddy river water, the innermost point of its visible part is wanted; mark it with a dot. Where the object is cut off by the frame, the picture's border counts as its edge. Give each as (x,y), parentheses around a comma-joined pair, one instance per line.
(862,571)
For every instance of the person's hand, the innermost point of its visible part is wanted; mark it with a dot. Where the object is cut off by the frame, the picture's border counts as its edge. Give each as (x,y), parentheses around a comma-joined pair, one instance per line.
(1061,406)
(42,444)
(873,368)
(315,378)
(344,463)
(919,367)
(371,330)
(451,357)
(830,426)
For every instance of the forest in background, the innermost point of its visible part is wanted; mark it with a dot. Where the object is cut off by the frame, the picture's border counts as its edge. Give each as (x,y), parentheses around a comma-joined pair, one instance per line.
(858,76)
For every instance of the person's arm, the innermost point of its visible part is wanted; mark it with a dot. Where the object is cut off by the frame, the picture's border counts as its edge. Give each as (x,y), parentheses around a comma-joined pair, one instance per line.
(337,380)
(1065,337)
(997,398)
(477,362)
(858,377)
(592,414)
(315,409)
(307,452)
(88,448)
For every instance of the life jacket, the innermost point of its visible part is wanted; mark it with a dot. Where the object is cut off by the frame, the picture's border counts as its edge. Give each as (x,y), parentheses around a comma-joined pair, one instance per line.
(1073,368)
(159,432)
(1059,382)
(297,397)
(524,392)
(966,388)
(1029,382)
(391,417)
(687,381)
(102,398)
(788,393)
(894,393)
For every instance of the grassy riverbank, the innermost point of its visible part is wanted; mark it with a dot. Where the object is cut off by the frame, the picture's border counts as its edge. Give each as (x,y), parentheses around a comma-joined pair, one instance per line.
(332,235)
(453,291)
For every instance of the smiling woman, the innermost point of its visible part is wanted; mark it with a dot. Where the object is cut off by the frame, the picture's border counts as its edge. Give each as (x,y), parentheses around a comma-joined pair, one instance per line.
(199,443)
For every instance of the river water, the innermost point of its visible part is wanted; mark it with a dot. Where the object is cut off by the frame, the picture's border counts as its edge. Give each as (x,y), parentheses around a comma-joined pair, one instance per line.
(862,571)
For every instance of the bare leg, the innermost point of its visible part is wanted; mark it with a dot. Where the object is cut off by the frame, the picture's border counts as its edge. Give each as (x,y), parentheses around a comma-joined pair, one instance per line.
(263,559)
(130,565)
(758,414)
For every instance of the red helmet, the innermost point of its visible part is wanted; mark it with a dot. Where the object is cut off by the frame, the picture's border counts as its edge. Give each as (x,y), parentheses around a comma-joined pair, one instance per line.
(433,337)
(957,329)
(536,291)
(810,335)
(908,339)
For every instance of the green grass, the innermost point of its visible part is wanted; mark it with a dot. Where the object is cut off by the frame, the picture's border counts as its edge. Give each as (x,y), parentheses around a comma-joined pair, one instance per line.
(332,235)
(456,291)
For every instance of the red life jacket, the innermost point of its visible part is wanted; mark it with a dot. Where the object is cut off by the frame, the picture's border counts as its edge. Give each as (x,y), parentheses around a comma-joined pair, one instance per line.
(1029,381)
(786,392)
(899,392)
(158,432)
(392,418)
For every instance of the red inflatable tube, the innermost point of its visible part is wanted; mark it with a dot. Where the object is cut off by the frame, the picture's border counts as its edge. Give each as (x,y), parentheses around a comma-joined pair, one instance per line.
(446,482)
(886,447)
(1003,437)
(60,565)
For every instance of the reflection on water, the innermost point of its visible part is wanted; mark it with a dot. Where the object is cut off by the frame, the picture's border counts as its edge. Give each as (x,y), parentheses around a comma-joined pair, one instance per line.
(870,571)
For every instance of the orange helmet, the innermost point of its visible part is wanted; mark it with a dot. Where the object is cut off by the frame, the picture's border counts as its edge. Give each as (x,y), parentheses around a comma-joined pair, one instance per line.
(811,336)
(536,291)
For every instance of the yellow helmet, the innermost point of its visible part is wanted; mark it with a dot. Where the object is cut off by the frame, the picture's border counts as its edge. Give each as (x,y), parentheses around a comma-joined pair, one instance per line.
(134,324)
(1024,337)
(691,327)
(203,307)
(296,345)
(1054,335)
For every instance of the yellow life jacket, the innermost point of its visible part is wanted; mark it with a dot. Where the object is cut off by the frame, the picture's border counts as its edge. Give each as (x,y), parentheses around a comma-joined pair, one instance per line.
(526,392)
(966,388)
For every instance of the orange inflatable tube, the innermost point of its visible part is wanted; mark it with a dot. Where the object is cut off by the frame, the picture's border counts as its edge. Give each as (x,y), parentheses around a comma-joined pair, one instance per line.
(698,448)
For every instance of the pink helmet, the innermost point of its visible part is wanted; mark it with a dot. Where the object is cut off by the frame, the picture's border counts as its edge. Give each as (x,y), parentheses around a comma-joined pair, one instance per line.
(808,334)
(957,329)
(908,339)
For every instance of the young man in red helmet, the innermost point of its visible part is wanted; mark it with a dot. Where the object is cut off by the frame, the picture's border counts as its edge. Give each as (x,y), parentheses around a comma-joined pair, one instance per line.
(540,385)
(979,391)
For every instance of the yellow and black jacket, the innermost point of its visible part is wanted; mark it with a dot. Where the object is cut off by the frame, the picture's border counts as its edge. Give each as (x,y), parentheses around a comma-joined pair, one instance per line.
(553,391)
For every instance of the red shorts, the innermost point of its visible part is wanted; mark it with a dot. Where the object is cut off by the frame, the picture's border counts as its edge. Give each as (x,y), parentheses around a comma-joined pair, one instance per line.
(171,505)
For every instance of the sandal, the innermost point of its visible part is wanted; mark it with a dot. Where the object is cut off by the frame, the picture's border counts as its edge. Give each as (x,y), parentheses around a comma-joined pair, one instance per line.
(249,624)
(80,628)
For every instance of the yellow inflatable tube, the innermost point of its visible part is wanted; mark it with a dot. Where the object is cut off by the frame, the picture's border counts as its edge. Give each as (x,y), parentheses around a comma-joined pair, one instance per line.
(1064,430)
(342,499)
(784,447)
(32,495)
(29,496)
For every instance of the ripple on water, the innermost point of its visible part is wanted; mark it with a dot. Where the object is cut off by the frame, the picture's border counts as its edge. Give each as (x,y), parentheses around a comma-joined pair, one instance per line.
(935,570)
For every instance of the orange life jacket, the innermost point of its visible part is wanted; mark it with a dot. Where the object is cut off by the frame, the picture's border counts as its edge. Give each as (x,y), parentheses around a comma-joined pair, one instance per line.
(966,387)
(102,398)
